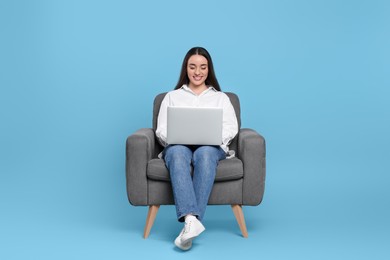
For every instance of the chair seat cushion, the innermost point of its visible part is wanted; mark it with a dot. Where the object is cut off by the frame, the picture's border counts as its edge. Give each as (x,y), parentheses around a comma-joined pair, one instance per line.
(229,169)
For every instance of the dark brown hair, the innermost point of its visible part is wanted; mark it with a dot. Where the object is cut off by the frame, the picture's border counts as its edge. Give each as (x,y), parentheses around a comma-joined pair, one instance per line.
(211,78)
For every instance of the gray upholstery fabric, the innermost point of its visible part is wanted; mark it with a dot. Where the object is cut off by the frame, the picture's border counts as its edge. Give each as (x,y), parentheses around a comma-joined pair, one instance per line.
(227,170)
(139,150)
(238,181)
(251,149)
(223,193)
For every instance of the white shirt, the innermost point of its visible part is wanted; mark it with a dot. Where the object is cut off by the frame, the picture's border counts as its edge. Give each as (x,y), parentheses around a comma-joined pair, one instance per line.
(185,97)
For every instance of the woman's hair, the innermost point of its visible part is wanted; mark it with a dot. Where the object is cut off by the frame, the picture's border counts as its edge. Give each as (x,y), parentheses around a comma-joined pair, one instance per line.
(211,78)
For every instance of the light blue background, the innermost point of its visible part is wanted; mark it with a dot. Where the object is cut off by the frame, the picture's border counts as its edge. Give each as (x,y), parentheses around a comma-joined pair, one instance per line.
(78,77)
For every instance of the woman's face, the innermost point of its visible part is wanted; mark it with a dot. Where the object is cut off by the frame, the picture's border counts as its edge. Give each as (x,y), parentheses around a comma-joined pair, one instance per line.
(197,70)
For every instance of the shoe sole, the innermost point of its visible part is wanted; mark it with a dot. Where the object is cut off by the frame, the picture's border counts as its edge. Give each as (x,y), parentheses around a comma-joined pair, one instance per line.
(180,245)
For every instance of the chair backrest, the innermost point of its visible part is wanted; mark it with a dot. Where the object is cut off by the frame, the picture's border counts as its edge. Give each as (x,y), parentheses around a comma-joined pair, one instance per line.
(233,99)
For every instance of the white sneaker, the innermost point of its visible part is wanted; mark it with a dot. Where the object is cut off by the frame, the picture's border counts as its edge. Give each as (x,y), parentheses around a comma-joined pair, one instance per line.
(183,246)
(192,228)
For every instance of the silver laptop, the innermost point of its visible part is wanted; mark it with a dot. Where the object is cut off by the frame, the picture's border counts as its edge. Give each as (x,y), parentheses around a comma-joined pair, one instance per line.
(194,126)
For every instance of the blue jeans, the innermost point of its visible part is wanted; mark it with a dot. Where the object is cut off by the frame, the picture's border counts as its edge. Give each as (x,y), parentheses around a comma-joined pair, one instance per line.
(191,194)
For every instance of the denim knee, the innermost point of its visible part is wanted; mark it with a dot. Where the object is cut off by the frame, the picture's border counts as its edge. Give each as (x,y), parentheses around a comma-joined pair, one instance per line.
(211,154)
(177,153)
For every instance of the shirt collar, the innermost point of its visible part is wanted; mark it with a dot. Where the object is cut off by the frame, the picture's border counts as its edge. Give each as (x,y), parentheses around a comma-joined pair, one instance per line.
(185,87)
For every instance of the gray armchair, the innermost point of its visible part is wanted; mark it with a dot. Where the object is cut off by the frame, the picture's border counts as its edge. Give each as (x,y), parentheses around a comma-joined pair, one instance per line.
(239,181)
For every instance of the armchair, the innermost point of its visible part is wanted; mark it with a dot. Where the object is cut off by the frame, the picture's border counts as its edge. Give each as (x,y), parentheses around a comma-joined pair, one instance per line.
(239,181)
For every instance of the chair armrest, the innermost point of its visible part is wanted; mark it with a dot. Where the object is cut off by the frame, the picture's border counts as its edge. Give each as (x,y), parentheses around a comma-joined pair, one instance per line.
(140,148)
(251,151)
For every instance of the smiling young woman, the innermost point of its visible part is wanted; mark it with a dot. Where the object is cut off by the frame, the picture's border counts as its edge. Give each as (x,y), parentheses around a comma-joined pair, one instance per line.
(198,53)
(197,87)
(197,72)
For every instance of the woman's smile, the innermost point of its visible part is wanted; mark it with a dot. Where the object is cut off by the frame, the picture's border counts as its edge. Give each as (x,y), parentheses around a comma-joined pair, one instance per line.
(197,71)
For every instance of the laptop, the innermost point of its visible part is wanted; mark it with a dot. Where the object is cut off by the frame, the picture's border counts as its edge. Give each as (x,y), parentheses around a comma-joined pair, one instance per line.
(194,126)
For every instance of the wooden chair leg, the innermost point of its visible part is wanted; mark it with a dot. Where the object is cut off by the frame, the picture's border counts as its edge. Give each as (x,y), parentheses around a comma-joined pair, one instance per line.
(150,219)
(237,210)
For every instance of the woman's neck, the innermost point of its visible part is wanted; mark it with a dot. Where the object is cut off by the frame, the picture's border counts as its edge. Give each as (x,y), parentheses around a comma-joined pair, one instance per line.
(198,89)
